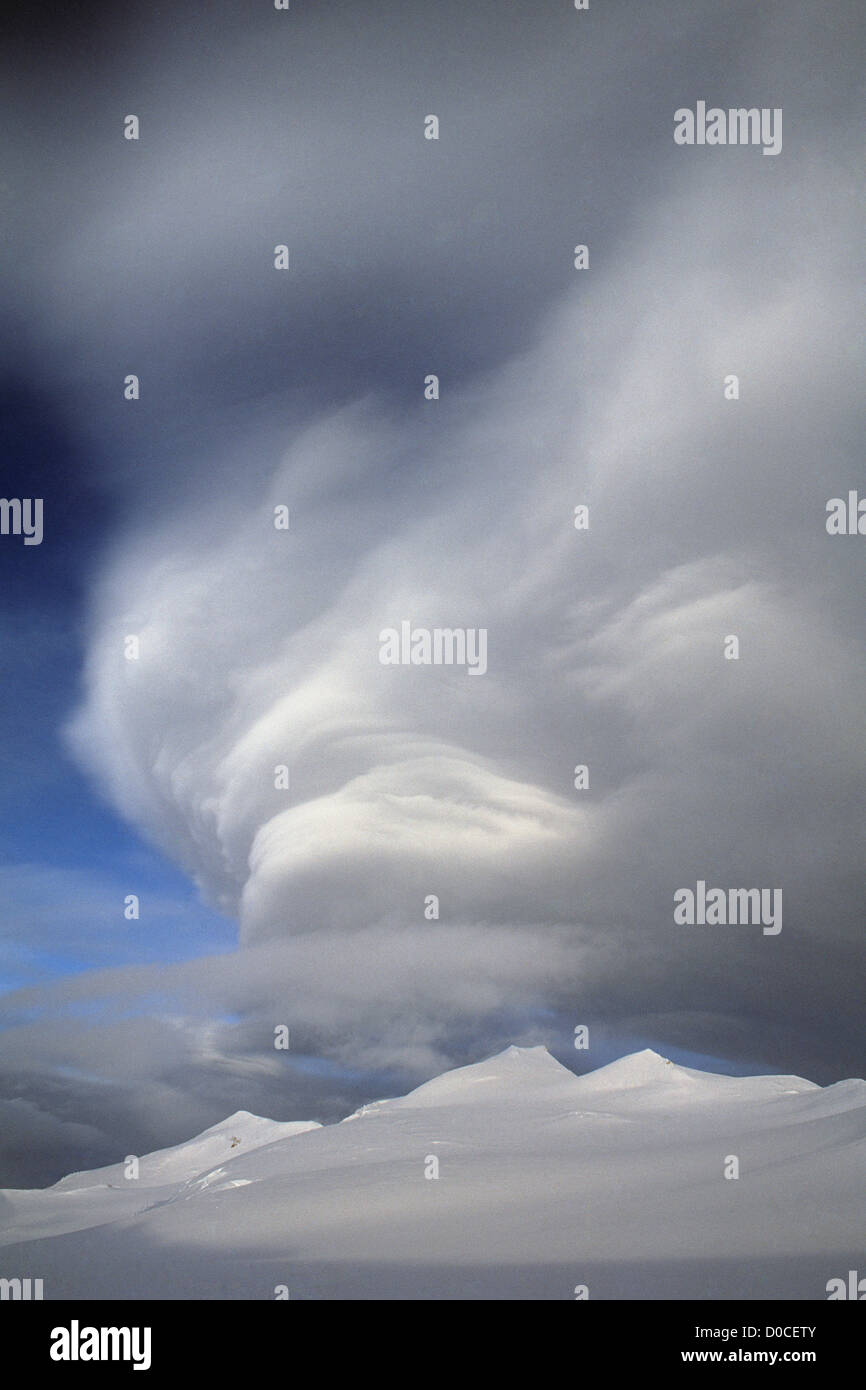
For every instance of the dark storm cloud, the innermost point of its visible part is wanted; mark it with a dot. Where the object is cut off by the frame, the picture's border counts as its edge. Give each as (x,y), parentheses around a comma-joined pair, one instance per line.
(306,128)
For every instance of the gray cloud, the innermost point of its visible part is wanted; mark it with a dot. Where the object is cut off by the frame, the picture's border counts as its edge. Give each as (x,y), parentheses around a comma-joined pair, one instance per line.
(261,647)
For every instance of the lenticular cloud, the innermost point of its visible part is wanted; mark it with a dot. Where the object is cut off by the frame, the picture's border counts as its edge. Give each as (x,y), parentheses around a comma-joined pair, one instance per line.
(260,664)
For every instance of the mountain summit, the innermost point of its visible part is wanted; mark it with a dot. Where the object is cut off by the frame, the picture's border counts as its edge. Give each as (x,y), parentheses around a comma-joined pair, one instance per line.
(516,1074)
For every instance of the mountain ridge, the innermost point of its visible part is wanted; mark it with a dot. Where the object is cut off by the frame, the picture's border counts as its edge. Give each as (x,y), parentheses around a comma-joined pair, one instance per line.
(508,1178)
(531,1075)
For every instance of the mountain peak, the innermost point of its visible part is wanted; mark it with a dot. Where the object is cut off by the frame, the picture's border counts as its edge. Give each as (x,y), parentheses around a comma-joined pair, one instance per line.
(637,1069)
(653,1080)
(515,1071)
(514,1051)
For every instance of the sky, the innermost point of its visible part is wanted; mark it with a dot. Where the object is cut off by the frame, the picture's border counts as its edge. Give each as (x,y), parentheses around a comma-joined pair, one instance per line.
(262,906)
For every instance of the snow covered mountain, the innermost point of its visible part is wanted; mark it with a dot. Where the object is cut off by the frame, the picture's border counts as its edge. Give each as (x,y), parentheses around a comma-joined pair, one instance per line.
(511,1178)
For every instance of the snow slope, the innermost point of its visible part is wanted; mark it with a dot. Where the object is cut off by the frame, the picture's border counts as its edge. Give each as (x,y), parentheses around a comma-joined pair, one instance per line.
(546,1181)
(241,1132)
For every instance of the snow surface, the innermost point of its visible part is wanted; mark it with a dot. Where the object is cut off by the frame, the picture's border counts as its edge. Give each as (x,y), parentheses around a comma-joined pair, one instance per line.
(546,1181)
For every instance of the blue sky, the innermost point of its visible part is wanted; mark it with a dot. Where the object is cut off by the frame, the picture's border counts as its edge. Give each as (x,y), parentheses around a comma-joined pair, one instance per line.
(68,859)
